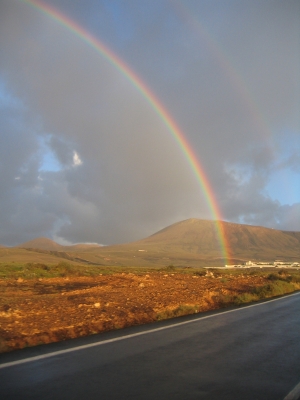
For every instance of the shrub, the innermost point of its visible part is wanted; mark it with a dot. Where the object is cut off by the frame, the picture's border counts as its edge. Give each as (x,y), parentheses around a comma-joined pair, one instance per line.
(181,310)
(245,298)
(223,280)
(170,268)
(201,272)
(275,288)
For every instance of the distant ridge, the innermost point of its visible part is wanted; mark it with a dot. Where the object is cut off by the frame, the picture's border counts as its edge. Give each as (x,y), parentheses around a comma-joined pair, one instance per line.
(47,244)
(41,243)
(192,242)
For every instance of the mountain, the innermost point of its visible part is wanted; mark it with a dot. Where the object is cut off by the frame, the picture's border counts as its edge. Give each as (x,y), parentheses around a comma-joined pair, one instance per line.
(244,241)
(195,235)
(193,242)
(196,242)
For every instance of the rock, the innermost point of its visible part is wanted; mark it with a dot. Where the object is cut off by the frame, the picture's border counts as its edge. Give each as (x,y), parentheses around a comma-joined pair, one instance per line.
(97,305)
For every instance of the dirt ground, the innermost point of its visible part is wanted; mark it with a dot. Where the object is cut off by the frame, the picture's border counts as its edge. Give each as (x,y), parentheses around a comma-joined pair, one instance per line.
(47,310)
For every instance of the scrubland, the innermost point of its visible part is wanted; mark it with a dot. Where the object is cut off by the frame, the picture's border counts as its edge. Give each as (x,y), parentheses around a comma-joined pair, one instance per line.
(41,303)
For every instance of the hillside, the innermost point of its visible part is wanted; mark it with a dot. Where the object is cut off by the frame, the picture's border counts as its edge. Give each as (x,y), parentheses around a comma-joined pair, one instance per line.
(41,244)
(244,241)
(192,242)
(195,235)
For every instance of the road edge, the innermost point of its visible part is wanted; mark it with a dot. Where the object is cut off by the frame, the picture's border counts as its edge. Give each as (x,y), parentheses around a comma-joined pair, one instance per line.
(102,342)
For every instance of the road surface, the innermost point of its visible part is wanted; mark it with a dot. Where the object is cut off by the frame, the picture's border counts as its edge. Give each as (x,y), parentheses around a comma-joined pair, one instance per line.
(246,353)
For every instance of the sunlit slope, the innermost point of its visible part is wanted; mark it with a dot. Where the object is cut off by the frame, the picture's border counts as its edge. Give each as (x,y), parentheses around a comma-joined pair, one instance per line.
(192,236)
(192,242)
(245,241)
(196,236)
(262,243)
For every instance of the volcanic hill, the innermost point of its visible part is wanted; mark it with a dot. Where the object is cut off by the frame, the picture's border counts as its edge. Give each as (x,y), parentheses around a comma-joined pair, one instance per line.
(192,242)
(199,239)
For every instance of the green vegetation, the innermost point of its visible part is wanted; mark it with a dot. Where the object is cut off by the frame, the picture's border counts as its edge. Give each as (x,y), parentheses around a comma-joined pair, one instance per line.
(65,269)
(280,283)
(62,269)
(33,270)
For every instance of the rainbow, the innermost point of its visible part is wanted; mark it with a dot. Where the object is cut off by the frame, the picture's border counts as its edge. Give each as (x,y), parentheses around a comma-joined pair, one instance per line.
(226,65)
(157,106)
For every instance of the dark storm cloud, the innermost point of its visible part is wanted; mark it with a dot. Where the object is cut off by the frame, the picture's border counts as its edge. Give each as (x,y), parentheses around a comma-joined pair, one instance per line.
(121,174)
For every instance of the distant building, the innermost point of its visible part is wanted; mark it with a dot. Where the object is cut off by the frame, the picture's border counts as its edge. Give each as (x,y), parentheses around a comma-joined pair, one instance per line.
(262,264)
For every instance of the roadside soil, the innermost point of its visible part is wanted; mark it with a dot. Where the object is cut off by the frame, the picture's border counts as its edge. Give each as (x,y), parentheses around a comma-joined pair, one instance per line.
(45,310)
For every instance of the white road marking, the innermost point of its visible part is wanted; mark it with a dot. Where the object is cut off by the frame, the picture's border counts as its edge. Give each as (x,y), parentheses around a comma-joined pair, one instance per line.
(87,346)
(294,394)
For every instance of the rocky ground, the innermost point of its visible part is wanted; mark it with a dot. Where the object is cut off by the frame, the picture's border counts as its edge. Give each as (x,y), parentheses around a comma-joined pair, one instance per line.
(35,311)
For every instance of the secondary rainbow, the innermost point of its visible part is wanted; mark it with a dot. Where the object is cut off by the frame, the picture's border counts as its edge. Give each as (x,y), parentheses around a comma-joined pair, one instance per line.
(226,66)
(158,107)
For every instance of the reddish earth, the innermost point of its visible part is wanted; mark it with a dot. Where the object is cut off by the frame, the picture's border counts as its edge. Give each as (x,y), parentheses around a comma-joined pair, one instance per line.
(54,309)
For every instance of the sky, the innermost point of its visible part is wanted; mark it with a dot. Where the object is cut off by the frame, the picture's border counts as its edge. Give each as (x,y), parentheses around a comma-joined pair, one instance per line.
(84,156)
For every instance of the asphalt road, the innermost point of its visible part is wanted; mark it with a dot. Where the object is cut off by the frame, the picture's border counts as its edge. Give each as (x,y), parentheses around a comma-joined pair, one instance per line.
(247,353)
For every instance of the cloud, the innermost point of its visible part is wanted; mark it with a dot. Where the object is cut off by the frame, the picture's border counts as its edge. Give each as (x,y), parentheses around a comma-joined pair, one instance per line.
(76,159)
(84,156)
